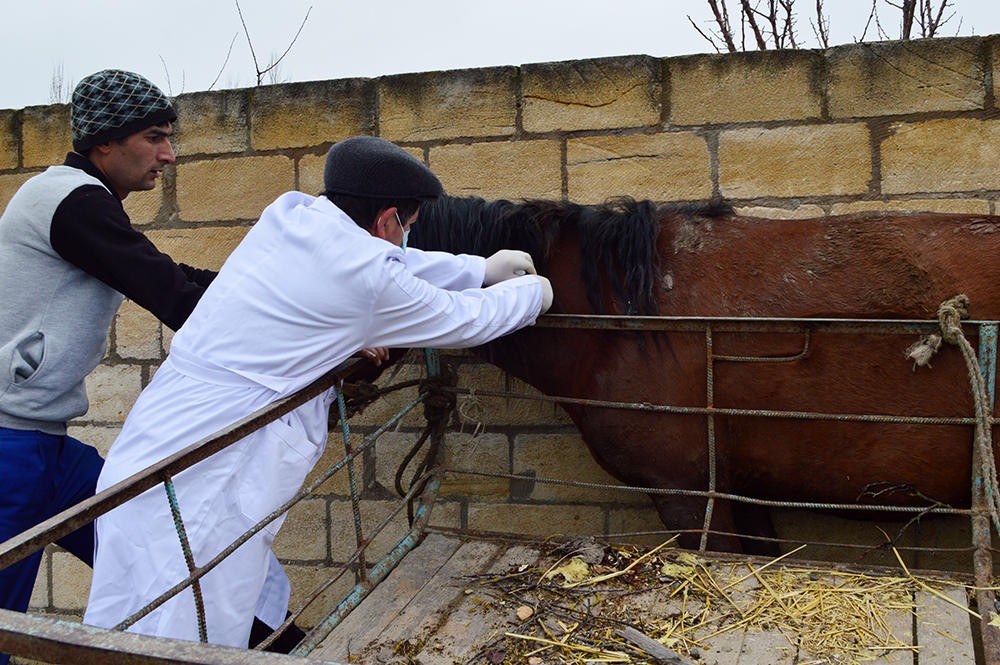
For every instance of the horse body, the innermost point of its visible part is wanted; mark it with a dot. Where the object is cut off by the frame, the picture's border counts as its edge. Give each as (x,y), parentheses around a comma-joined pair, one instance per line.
(712,263)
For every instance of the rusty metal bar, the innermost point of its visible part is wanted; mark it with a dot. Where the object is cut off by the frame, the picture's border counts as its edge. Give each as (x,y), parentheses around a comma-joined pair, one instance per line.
(203,570)
(738,498)
(710,424)
(87,511)
(380,571)
(739,324)
(982,559)
(700,410)
(53,640)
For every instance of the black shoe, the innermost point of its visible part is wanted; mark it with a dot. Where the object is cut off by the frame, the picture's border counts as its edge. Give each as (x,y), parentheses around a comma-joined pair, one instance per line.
(284,643)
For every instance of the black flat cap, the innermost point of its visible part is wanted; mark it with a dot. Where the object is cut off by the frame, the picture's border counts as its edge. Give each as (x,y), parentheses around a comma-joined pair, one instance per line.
(371,167)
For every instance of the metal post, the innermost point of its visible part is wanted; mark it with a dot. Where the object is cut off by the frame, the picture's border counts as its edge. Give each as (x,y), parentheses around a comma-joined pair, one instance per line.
(981,531)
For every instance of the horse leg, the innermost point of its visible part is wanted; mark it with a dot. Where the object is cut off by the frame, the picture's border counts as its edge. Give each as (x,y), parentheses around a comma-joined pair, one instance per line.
(730,521)
(756,521)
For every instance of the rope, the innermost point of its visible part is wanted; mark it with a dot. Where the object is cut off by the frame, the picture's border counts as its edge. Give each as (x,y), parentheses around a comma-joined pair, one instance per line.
(950,315)
(439,404)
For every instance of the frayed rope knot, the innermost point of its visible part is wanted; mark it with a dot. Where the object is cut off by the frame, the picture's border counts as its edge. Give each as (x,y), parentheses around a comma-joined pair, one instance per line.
(950,314)
(986,488)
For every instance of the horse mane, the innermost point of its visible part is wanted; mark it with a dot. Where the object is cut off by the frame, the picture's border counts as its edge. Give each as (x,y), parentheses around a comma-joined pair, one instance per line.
(618,238)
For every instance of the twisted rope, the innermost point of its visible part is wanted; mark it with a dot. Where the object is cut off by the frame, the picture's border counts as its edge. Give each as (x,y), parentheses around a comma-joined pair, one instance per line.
(439,404)
(950,315)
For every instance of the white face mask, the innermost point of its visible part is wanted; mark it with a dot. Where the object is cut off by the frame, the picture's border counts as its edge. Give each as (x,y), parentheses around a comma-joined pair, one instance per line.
(406,232)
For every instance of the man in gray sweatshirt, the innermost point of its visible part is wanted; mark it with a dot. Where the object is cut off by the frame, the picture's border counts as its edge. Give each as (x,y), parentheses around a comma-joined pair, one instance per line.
(69,255)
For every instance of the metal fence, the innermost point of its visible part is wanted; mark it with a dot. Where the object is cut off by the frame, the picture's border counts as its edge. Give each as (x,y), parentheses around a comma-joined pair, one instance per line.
(58,641)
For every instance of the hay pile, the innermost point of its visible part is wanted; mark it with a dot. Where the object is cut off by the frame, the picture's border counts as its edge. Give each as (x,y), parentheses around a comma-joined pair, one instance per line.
(589,603)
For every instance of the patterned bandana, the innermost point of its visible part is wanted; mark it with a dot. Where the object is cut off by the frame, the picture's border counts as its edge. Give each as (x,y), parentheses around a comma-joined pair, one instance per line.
(113,104)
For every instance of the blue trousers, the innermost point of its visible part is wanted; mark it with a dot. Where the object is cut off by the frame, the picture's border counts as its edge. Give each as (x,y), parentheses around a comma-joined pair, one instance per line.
(40,476)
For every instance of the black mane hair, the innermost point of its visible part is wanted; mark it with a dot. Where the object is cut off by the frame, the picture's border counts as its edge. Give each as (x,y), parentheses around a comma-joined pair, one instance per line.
(617,238)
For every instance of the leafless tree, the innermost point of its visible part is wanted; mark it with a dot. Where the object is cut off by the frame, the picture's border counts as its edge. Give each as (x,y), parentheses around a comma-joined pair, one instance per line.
(60,90)
(774,23)
(272,65)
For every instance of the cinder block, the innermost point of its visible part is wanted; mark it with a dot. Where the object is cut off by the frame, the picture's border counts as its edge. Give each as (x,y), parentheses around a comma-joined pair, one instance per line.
(40,592)
(806,160)
(232,189)
(10,140)
(339,483)
(112,390)
(542,521)
(303,536)
(98,436)
(202,247)
(137,333)
(504,169)
(565,457)
(143,207)
(756,86)
(945,155)
(603,93)
(306,579)
(45,135)
(311,173)
(168,336)
(956,206)
(211,123)
(638,520)
(9,184)
(70,582)
(806,211)
(515,407)
(294,115)
(900,77)
(445,105)
(343,542)
(486,453)
(446,514)
(662,167)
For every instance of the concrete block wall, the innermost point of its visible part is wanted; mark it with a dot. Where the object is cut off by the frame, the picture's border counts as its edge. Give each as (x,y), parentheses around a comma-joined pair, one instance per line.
(891,126)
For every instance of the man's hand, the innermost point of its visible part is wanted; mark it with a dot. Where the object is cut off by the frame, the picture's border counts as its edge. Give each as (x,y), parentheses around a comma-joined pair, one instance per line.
(507,264)
(377,355)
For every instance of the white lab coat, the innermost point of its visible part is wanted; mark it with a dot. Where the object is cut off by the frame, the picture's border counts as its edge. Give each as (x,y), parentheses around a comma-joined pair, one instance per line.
(306,289)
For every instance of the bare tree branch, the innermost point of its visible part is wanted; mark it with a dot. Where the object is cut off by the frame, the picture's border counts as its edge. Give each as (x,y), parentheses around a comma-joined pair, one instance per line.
(224,62)
(253,54)
(275,63)
(722,19)
(748,16)
(166,72)
(788,32)
(246,31)
(908,12)
(822,26)
(774,23)
(707,37)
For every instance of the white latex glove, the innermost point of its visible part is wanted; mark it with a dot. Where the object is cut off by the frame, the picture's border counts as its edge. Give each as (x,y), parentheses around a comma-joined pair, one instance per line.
(546,293)
(507,264)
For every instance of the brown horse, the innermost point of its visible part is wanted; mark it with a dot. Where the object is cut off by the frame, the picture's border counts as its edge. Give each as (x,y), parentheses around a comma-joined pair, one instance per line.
(640,258)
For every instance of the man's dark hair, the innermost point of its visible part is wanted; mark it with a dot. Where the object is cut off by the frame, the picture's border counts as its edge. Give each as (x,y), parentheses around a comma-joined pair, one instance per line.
(363,210)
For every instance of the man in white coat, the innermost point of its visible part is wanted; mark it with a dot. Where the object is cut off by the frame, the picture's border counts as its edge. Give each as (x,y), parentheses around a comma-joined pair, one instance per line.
(315,281)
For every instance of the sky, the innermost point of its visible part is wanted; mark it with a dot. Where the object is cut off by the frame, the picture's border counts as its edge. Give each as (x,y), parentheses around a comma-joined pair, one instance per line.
(196,45)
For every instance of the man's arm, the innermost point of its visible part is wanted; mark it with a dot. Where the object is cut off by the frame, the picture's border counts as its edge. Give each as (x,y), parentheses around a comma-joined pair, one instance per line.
(91,230)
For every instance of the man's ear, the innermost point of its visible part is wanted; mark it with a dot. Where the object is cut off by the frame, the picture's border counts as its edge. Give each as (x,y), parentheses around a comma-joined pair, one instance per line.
(384,217)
